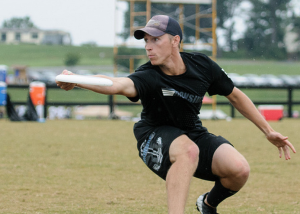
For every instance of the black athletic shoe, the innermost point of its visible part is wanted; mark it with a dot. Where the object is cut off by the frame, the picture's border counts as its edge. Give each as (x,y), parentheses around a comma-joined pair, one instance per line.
(202,207)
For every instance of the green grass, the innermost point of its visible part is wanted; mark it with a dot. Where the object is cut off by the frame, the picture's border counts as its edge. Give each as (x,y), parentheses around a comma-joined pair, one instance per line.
(259,67)
(52,55)
(92,166)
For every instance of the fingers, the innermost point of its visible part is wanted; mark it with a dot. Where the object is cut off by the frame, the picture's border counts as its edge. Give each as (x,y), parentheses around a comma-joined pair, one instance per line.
(282,143)
(64,85)
(287,148)
(284,138)
(280,152)
(66,72)
(291,146)
(286,151)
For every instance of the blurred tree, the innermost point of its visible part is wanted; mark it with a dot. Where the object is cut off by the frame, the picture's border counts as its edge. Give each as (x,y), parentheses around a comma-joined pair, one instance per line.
(292,38)
(265,29)
(72,59)
(18,23)
(226,14)
(296,25)
(264,33)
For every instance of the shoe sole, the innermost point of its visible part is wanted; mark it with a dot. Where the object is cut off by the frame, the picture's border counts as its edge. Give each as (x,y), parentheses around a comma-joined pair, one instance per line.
(199,203)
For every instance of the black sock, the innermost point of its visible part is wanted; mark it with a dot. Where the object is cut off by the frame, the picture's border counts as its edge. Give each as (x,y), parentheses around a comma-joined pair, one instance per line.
(218,194)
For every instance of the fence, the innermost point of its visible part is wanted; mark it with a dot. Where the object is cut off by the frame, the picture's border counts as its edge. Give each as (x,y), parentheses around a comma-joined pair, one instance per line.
(290,102)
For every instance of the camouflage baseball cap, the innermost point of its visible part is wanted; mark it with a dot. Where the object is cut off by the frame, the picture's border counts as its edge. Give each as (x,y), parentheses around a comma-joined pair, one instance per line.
(158,26)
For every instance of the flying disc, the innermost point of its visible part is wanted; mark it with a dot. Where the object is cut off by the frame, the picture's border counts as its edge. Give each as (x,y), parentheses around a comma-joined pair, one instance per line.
(81,79)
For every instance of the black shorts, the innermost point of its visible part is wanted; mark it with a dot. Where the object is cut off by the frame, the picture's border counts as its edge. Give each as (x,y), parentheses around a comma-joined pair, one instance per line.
(154,144)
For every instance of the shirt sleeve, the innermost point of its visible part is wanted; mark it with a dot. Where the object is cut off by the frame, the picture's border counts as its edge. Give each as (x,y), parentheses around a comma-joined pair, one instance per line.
(221,84)
(142,82)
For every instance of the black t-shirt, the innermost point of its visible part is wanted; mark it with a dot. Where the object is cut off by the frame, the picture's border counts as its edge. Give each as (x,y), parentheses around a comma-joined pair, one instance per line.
(176,100)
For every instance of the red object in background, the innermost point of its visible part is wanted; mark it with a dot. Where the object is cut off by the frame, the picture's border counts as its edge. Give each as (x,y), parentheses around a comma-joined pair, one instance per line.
(37,93)
(271,112)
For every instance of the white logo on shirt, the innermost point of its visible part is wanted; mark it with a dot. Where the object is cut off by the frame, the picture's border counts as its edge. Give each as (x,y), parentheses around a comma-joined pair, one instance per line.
(170,92)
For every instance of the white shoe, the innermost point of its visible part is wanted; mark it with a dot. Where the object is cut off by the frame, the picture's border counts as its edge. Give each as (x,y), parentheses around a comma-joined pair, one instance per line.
(202,207)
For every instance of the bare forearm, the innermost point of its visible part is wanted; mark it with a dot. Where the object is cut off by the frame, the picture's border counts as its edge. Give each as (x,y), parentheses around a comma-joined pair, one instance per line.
(246,107)
(108,90)
(121,85)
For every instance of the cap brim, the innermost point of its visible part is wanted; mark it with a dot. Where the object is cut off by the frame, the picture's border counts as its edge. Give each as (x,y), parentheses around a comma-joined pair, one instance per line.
(139,34)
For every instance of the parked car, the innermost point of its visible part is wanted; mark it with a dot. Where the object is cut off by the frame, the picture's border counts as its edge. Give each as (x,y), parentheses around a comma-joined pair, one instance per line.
(45,76)
(238,80)
(49,77)
(35,76)
(255,80)
(272,80)
(288,80)
(297,78)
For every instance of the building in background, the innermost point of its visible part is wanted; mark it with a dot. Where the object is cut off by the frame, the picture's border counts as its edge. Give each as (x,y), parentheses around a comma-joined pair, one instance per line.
(34,36)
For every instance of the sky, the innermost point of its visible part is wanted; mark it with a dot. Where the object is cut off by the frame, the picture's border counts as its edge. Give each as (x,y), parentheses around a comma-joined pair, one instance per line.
(85,20)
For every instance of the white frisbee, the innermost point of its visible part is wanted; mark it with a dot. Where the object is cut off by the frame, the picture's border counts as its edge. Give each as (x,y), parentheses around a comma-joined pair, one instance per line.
(81,79)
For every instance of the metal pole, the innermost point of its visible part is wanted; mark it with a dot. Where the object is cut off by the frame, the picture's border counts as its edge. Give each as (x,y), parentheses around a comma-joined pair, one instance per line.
(197,22)
(131,17)
(232,111)
(131,65)
(148,10)
(181,23)
(111,107)
(214,27)
(46,103)
(290,102)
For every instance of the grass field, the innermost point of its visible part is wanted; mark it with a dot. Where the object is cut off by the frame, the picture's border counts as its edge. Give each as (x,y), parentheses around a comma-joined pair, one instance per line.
(260,67)
(52,55)
(92,166)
